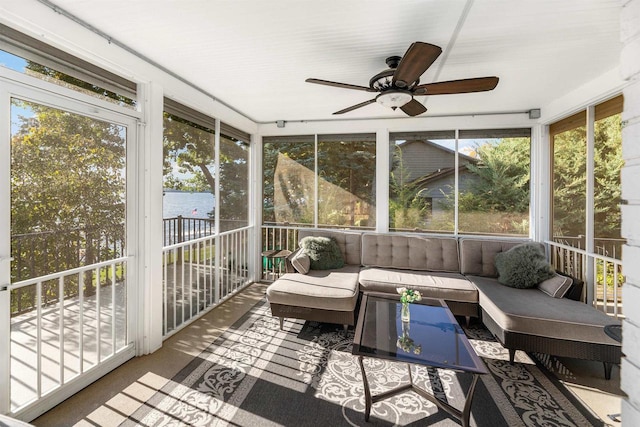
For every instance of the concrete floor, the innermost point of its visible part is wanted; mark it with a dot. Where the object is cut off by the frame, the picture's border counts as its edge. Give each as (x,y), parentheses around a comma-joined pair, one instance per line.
(109,400)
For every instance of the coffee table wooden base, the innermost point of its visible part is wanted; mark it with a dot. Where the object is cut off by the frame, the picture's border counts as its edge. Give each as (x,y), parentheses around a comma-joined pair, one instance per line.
(462,416)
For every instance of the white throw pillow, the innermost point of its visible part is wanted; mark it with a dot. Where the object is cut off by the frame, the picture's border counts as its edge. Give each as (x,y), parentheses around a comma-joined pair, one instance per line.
(557,286)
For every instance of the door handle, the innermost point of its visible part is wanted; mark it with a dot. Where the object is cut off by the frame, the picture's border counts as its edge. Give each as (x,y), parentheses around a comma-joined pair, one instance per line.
(2,259)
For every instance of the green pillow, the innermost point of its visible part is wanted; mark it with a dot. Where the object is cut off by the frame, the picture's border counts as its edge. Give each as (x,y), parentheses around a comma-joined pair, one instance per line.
(523,266)
(323,252)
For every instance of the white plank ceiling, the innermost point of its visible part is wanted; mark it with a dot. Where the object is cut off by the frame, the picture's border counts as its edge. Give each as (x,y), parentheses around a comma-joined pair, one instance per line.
(255,55)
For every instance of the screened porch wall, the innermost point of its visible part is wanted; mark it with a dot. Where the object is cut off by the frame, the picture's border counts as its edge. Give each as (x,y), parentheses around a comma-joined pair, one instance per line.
(155,84)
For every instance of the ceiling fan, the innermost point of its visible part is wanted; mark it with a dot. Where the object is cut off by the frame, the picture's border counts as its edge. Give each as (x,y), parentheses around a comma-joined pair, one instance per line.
(401,82)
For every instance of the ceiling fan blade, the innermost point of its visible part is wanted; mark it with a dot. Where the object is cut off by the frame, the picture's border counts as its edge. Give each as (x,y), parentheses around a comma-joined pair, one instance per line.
(413,108)
(479,84)
(415,61)
(342,85)
(353,107)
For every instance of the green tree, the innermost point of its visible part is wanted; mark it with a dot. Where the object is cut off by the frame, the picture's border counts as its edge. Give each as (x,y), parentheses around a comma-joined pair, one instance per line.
(342,165)
(407,208)
(302,153)
(191,148)
(500,180)
(55,76)
(569,179)
(234,182)
(67,191)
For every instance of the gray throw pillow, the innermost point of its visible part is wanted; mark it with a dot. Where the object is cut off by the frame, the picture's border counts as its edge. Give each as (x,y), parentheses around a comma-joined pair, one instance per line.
(323,252)
(300,261)
(523,266)
(556,286)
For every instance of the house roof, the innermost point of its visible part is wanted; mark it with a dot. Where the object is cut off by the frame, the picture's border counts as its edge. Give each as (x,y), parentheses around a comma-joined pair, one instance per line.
(255,55)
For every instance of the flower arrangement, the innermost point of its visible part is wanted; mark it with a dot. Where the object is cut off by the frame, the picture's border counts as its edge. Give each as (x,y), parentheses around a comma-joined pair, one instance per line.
(407,296)
(408,345)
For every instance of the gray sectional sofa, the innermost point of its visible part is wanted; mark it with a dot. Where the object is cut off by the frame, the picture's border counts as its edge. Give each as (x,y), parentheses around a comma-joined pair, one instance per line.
(460,271)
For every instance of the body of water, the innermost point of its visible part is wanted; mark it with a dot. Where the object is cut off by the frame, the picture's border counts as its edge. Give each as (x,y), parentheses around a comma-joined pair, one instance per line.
(189,205)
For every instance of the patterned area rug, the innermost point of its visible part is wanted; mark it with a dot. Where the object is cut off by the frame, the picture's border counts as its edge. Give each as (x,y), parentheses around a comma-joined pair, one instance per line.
(257,375)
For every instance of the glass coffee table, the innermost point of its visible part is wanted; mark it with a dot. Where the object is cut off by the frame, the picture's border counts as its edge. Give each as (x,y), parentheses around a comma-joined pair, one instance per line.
(431,338)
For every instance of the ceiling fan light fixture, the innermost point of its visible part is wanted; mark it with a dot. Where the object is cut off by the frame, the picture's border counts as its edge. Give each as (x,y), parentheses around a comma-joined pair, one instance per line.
(394,98)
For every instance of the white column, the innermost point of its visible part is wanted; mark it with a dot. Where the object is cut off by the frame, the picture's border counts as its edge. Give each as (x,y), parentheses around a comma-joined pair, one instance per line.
(255,207)
(148,309)
(5,254)
(541,184)
(590,207)
(630,67)
(383,162)
(216,212)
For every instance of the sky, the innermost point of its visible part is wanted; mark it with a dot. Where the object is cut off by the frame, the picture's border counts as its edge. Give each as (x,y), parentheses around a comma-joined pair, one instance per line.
(18,64)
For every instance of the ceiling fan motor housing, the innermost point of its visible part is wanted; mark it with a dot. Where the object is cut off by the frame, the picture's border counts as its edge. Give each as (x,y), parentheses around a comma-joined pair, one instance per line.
(384,79)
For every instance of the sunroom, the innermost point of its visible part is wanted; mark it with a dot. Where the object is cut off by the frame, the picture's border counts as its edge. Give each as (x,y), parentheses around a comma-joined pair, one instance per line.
(159,158)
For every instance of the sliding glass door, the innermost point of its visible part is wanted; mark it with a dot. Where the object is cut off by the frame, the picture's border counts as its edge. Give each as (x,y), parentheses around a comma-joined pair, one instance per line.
(65,268)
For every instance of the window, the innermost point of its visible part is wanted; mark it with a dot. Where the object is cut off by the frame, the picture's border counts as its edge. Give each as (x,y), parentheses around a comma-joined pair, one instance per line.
(234,178)
(189,179)
(289,180)
(607,186)
(341,172)
(422,181)
(481,183)
(346,173)
(570,195)
(67,190)
(27,55)
(494,181)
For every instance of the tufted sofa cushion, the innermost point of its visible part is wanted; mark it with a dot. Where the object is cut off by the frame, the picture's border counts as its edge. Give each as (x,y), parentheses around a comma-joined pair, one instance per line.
(420,253)
(349,242)
(477,256)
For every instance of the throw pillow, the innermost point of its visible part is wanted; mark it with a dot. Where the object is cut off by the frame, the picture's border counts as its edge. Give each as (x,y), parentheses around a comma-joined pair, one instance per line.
(323,252)
(556,286)
(300,261)
(523,266)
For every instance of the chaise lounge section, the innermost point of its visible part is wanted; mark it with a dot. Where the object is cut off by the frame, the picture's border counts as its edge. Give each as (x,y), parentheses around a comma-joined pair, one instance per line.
(531,320)
(320,295)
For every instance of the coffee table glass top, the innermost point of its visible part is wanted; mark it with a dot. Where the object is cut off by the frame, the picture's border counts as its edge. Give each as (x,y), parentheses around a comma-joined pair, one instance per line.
(433,337)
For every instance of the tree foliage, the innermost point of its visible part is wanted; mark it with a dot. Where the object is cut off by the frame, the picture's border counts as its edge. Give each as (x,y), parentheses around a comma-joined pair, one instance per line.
(300,152)
(189,165)
(190,147)
(67,189)
(407,208)
(569,180)
(346,174)
(55,76)
(500,179)
(234,182)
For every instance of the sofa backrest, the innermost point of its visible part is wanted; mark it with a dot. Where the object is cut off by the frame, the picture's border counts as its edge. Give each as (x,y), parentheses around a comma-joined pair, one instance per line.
(349,242)
(410,252)
(477,256)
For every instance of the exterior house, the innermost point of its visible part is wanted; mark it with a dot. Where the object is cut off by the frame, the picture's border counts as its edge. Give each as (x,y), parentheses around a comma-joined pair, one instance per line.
(431,166)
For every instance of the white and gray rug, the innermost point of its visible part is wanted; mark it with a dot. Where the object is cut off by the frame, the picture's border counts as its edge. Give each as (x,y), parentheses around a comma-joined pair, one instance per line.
(257,375)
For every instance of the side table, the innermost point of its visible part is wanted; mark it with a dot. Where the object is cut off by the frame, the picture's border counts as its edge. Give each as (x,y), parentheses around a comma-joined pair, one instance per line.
(274,264)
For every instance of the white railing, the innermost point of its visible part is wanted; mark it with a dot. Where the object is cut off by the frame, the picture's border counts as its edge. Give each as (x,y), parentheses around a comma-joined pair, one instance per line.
(602,275)
(200,273)
(277,237)
(66,337)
